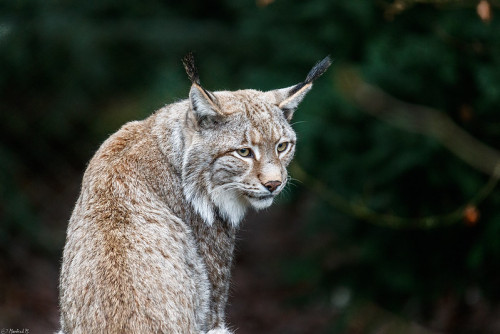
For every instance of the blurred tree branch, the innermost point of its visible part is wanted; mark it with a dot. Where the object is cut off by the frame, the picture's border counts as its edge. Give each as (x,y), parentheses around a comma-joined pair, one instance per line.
(421,119)
(363,212)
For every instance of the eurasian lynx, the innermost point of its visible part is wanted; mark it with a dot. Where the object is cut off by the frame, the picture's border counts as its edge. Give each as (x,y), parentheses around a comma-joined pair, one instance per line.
(150,242)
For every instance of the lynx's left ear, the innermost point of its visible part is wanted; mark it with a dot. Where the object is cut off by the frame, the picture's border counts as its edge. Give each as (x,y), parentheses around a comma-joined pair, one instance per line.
(288,99)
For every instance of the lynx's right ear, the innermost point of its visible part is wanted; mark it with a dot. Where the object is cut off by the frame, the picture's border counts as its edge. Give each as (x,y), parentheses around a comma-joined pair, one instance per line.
(288,99)
(204,104)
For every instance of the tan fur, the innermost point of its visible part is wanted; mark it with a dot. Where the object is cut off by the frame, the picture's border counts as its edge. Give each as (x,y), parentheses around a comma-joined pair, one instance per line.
(150,242)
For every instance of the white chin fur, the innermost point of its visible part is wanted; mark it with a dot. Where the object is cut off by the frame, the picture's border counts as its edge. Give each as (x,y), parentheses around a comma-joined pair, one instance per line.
(231,206)
(259,204)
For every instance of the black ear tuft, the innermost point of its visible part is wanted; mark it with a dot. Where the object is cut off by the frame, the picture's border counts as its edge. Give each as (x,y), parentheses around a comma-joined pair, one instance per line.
(190,66)
(313,74)
(318,69)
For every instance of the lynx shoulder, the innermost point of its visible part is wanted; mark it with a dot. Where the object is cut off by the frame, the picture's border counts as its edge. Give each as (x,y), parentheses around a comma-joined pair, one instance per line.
(150,241)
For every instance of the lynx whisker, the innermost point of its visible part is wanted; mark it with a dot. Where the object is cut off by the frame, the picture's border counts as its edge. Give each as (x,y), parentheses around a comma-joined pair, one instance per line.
(298,122)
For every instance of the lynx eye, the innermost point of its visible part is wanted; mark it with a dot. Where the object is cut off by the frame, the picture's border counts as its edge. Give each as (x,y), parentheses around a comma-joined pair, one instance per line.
(282,146)
(244,152)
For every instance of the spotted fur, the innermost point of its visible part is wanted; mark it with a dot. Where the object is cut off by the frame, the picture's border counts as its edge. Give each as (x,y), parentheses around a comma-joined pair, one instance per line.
(150,242)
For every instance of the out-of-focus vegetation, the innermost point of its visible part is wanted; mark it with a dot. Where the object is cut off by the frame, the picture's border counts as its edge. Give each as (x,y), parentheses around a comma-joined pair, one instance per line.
(72,72)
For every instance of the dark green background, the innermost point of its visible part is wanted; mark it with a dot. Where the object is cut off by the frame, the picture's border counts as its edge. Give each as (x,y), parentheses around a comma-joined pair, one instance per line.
(72,72)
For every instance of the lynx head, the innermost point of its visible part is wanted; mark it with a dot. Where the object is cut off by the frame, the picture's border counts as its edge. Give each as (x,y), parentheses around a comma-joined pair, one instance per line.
(238,145)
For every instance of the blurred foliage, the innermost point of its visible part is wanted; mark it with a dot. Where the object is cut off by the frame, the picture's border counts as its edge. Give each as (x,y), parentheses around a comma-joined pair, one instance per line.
(72,72)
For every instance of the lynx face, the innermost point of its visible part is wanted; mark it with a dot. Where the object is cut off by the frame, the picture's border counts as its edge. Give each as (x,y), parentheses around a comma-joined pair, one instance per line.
(240,159)
(238,146)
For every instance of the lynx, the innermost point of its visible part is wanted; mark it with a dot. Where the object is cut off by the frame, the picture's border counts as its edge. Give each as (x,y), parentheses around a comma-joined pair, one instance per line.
(150,242)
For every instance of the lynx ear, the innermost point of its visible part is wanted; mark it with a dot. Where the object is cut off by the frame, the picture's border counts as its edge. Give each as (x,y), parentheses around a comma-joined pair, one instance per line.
(288,99)
(204,104)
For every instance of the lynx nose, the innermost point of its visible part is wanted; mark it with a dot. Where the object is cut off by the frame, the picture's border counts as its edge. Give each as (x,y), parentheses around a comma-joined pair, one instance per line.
(272,185)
